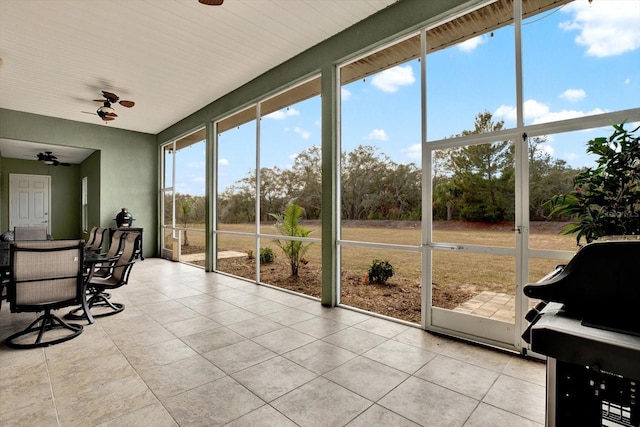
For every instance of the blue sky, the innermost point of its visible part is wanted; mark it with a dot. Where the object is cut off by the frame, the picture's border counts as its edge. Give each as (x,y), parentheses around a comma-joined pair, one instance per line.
(579,60)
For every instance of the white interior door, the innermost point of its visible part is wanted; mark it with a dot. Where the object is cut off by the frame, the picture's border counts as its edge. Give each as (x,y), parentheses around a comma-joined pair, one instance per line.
(29,199)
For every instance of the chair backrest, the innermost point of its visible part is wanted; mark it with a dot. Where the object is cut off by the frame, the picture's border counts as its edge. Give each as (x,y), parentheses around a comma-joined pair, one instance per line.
(121,269)
(45,274)
(92,236)
(117,240)
(30,233)
(96,244)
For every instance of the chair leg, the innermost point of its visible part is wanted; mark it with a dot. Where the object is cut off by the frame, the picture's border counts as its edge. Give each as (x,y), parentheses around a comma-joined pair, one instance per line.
(85,308)
(99,299)
(1,293)
(41,325)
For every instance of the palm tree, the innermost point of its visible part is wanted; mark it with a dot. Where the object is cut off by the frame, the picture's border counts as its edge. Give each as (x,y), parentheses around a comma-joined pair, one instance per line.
(288,223)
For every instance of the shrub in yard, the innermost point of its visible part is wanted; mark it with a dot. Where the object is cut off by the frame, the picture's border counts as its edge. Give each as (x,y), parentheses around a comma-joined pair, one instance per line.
(266,255)
(380,271)
(250,254)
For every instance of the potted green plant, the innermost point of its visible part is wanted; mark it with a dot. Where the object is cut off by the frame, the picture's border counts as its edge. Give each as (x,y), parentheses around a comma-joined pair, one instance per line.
(606,199)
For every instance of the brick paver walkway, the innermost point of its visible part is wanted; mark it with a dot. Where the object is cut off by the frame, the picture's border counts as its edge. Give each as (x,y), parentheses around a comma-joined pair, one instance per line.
(492,305)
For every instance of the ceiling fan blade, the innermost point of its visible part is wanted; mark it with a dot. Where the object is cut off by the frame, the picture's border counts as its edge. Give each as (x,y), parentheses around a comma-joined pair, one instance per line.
(211,2)
(107,119)
(110,115)
(98,100)
(111,97)
(127,104)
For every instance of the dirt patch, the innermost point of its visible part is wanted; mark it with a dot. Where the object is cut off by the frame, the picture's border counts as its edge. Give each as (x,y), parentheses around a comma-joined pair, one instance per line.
(400,298)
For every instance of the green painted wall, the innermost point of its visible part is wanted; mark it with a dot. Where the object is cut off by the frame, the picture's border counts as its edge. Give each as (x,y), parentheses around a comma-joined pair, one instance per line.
(90,169)
(124,173)
(65,193)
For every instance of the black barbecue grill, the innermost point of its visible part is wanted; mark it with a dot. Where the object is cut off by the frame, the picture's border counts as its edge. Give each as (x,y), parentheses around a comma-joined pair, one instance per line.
(588,325)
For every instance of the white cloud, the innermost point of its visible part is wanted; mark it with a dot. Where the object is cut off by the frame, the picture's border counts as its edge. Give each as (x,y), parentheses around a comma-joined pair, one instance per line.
(546,148)
(472,44)
(345,94)
(378,135)
(571,156)
(606,28)
(565,115)
(505,112)
(283,114)
(573,94)
(536,112)
(558,115)
(293,156)
(303,133)
(414,151)
(223,162)
(391,79)
(627,81)
(532,110)
(195,165)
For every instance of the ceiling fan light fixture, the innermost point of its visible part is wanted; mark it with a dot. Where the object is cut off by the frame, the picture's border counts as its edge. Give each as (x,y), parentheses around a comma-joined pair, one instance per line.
(106,110)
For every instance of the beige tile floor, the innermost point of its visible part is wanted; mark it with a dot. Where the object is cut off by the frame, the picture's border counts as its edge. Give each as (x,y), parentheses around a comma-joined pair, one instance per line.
(202,349)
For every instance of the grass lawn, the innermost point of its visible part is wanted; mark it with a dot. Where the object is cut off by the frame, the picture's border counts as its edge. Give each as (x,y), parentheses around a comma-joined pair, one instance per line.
(457,275)
(487,268)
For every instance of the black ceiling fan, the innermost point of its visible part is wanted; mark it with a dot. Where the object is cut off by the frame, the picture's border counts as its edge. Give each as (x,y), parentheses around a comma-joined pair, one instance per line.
(48,158)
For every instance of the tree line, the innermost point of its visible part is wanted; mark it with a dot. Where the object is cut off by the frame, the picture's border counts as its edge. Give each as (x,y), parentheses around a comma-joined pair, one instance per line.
(470,183)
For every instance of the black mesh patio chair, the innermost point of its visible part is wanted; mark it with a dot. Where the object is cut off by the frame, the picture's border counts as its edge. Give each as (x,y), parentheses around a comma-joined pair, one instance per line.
(44,276)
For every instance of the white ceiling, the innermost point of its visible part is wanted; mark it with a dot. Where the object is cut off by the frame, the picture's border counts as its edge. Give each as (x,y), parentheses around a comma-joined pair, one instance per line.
(172,57)
(29,151)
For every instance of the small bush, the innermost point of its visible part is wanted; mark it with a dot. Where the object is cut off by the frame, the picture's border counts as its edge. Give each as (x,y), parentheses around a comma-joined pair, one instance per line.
(266,255)
(250,254)
(380,271)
